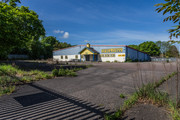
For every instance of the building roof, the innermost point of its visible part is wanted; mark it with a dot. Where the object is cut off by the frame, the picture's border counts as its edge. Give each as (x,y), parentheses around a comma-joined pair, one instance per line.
(103,46)
(94,45)
(91,49)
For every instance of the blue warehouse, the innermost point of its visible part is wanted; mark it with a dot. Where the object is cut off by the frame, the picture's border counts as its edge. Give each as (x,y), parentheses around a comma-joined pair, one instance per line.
(103,53)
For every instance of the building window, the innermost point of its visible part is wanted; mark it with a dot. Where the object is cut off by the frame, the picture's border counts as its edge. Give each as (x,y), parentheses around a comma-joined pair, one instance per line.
(81,56)
(61,57)
(76,56)
(66,57)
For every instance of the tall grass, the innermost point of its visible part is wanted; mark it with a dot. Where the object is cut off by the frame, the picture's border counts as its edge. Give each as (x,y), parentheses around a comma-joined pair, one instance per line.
(10,76)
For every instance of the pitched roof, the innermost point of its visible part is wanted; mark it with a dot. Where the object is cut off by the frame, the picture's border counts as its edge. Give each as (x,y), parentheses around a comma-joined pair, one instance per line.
(91,49)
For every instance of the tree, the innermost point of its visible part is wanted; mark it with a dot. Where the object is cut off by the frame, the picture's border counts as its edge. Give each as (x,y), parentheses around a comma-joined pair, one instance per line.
(19,25)
(48,46)
(150,47)
(172,8)
(173,52)
(134,46)
(164,47)
(61,45)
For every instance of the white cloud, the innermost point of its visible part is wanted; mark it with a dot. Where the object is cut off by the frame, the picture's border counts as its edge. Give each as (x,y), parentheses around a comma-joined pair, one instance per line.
(66,35)
(58,31)
(120,36)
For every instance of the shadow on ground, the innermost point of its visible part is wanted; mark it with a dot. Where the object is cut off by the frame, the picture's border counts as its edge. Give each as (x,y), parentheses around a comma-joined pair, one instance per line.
(48,104)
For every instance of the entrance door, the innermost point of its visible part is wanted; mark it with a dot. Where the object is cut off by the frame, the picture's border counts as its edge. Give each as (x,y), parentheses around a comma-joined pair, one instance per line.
(95,57)
(87,57)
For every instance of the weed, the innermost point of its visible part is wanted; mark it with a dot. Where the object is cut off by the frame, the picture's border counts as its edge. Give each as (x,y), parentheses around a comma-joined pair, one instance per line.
(150,93)
(122,95)
(10,76)
(55,72)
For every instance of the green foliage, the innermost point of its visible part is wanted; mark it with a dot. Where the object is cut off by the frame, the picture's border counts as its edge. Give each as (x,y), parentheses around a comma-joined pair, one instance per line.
(65,72)
(172,52)
(134,46)
(150,47)
(148,92)
(164,47)
(62,72)
(18,26)
(171,7)
(77,69)
(55,72)
(128,59)
(61,45)
(10,76)
(108,61)
(115,61)
(122,95)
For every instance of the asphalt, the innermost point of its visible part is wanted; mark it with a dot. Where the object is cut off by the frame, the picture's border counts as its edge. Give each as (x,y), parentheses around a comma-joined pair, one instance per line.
(94,92)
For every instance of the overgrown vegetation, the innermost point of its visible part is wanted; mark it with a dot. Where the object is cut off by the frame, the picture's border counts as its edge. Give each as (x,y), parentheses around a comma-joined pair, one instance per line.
(151,94)
(65,72)
(11,76)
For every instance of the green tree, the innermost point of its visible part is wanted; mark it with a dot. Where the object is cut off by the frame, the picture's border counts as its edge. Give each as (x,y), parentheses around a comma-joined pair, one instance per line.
(150,47)
(48,46)
(19,25)
(172,8)
(36,50)
(164,47)
(134,46)
(61,45)
(173,52)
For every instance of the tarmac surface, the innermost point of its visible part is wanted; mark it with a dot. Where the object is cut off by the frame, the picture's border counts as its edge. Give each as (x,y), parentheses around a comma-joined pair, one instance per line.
(94,92)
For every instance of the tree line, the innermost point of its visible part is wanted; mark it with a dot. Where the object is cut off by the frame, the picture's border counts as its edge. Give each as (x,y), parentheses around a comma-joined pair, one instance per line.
(22,32)
(159,48)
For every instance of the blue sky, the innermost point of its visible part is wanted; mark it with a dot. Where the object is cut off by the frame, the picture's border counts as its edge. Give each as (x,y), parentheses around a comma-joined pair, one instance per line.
(113,22)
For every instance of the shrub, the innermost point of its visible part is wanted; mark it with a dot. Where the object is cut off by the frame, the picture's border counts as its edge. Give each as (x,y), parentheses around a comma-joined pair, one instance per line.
(62,72)
(55,72)
(129,59)
(108,61)
(71,73)
(115,61)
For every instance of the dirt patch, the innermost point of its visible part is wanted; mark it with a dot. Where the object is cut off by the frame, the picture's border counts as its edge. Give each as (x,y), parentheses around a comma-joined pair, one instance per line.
(146,112)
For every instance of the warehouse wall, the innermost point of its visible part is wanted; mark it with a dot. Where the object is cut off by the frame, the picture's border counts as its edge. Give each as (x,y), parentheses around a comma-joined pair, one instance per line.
(121,56)
(136,55)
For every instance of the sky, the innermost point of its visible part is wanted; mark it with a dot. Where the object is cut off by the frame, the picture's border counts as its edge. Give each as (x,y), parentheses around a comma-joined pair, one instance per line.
(105,22)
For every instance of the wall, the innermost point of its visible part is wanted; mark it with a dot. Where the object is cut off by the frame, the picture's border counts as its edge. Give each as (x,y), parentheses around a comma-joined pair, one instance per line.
(136,55)
(70,57)
(120,56)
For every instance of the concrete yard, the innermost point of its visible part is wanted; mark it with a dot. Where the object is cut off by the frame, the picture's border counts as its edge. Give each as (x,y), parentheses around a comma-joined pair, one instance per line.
(94,92)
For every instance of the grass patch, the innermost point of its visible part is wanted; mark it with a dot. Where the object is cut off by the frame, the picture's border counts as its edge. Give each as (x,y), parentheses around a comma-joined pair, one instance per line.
(151,94)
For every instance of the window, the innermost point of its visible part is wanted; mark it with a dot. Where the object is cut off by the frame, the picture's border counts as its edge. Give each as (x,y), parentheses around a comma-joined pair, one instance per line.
(61,57)
(66,57)
(81,56)
(76,56)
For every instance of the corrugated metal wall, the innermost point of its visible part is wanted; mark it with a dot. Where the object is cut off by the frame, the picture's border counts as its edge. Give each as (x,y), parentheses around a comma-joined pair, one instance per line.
(136,55)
